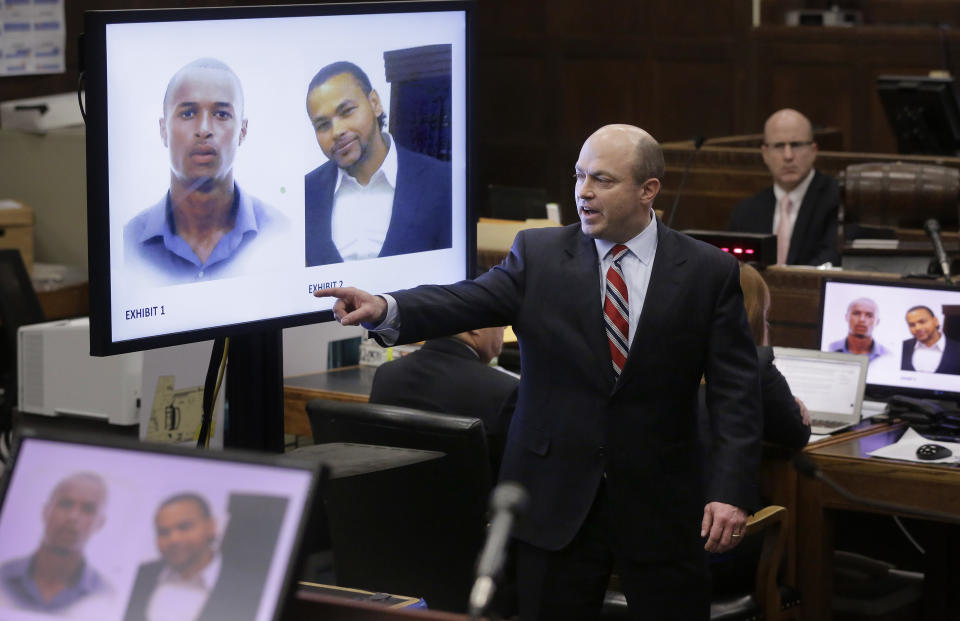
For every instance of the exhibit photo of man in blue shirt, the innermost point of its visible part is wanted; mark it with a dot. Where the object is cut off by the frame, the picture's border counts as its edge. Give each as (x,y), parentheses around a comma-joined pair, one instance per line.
(57,578)
(205,226)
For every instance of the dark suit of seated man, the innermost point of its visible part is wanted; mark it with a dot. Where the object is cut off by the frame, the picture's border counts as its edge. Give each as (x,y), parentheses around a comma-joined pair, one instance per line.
(928,350)
(372,198)
(801,207)
(453,375)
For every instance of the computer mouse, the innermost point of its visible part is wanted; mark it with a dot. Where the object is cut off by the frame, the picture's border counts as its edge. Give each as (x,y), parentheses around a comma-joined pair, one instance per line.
(933,451)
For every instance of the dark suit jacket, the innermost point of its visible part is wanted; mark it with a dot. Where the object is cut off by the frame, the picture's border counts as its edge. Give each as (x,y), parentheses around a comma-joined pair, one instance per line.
(782,422)
(445,375)
(234,597)
(573,424)
(420,220)
(949,363)
(814,238)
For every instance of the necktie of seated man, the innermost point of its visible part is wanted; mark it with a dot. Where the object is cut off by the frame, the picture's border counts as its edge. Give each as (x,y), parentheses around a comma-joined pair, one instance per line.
(783,231)
(616,310)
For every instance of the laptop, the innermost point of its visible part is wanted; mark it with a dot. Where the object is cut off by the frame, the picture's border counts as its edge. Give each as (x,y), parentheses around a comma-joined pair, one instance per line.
(830,384)
(134,519)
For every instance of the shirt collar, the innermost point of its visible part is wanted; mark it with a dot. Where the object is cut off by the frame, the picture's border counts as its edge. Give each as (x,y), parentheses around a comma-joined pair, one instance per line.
(388,168)
(938,346)
(643,245)
(208,575)
(797,193)
(160,221)
(19,569)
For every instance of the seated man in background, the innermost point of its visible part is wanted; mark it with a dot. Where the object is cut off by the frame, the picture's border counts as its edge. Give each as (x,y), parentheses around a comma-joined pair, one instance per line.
(862,317)
(801,207)
(453,375)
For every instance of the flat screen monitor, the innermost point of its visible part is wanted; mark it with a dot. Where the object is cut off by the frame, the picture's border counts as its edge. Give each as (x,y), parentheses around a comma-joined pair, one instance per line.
(240,158)
(196,534)
(923,112)
(913,331)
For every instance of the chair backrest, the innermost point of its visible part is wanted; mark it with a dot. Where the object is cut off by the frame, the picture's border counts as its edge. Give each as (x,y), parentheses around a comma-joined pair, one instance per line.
(899,195)
(414,530)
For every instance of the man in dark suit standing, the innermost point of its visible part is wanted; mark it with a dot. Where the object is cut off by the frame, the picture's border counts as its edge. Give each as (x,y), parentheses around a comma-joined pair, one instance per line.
(801,207)
(372,198)
(618,318)
(928,350)
(453,375)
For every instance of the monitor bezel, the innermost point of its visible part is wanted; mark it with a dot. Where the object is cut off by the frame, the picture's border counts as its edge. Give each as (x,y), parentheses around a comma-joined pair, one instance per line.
(882,392)
(85,438)
(94,78)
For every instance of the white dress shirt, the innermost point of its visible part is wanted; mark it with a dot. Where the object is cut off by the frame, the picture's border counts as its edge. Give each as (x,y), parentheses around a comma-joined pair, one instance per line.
(177,599)
(636,265)
(927,359)
(796,199)
(361,214)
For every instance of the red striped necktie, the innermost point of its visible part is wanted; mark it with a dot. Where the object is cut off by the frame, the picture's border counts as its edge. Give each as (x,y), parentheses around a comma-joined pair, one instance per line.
(616,310)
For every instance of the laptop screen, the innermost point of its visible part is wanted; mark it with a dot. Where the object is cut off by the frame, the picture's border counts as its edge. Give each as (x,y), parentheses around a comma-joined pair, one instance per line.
(827,383)
(122,533)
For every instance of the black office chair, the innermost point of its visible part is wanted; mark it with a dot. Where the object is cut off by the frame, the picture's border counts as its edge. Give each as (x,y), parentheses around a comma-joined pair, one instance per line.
(414,530)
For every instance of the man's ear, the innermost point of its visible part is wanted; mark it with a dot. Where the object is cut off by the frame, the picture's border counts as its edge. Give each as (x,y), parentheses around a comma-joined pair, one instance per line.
(163,132)
(649,189)
(243,131)
(374,100)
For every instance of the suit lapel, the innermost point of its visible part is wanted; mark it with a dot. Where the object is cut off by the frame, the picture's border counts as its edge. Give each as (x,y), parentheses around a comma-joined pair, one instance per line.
(666,274)
(580,272)
(403,226)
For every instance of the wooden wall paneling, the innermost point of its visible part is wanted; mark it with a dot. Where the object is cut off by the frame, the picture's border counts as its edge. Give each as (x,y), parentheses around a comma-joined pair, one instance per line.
(698,18)
(592,20)
(701,94)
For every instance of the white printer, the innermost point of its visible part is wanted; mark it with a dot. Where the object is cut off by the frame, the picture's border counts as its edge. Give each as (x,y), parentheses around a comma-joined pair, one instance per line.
(58,376)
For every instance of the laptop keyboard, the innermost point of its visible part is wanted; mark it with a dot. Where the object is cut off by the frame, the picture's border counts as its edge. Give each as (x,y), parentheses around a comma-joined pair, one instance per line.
(829,424)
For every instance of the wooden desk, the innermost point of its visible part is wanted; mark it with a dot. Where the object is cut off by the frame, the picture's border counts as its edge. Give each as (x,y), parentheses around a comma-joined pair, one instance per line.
(844,459)
(344,384)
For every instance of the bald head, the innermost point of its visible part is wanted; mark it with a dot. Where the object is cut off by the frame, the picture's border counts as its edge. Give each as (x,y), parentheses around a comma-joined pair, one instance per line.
(788,117)
(74,511)
(643,150)
(198,70)
(788,148)
(618,176)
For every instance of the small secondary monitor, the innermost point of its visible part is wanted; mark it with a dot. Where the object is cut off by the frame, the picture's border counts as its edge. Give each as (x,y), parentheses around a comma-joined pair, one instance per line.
(239,158)
(910,333)
(924,113)
(145,529)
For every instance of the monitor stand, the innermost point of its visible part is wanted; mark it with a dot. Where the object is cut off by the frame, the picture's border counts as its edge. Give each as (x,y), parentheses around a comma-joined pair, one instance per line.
(253,416)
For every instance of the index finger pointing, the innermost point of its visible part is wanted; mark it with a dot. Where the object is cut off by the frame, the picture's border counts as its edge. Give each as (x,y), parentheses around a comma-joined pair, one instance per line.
(332,292)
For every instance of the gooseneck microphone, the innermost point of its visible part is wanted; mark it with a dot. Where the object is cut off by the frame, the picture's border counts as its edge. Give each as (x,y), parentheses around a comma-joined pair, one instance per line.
(697,143)
(507,503)
(807,468)
(932,227)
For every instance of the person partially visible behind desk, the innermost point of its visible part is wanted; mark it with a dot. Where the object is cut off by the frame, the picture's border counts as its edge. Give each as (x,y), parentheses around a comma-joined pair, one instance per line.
(801,207)
(453,375)
(786,421)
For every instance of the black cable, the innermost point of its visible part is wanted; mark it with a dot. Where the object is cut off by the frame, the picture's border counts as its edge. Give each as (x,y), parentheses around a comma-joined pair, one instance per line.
(83,112)
(209,390)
